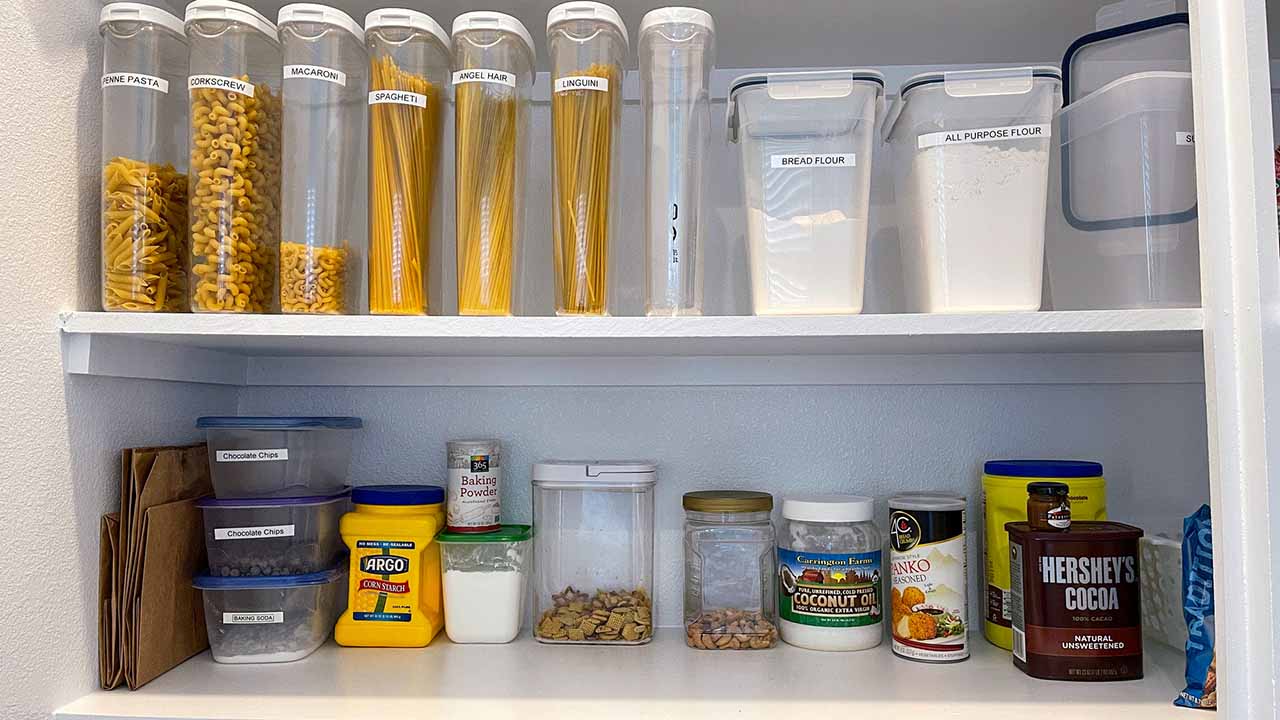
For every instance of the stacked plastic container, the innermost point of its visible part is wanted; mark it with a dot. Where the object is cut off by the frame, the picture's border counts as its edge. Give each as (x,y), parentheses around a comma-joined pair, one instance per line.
(276,582)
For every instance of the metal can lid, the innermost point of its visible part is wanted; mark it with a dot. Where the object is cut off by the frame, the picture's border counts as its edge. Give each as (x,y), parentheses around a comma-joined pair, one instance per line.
(1048,489)
(728,501)
(927,501)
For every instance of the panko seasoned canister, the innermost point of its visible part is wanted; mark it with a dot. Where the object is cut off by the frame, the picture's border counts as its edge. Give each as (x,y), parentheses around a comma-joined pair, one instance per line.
(929,571)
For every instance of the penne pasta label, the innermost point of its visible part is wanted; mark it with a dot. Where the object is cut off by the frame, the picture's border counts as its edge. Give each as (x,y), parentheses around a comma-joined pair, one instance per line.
(581,82)
(498,77)
(150,82)
(220,82)
(315,72)
(397,97)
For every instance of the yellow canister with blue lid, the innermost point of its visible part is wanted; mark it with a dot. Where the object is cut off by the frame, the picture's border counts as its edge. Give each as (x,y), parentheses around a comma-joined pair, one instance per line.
(1004,490)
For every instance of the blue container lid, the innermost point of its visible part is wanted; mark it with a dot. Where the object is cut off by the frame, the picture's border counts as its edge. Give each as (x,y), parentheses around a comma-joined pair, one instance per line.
(216,422)
(213,502)
(1044,468)
(268,582)
(398,495)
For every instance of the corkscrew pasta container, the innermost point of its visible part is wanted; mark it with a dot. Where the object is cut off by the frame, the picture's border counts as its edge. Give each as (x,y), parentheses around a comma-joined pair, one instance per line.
(323,226)
(492,77)
(144,164)
(588,43)
(408,76)
(234,188)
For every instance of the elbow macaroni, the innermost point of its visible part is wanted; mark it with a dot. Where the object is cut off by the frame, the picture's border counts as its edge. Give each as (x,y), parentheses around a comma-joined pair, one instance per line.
(144,237)
(313,279)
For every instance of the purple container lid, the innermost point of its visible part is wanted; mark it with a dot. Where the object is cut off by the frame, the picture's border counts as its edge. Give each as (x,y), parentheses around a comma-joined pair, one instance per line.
(213,502)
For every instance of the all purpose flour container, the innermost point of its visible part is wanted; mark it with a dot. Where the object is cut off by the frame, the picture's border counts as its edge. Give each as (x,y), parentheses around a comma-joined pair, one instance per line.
(971,153)
(805,139)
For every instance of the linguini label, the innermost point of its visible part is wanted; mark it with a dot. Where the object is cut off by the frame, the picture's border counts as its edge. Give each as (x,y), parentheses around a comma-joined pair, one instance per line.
(830,160)
(499,77)
(581,82)
(220,82)
(315,72)
(397,97)
(150,82)
(964,137)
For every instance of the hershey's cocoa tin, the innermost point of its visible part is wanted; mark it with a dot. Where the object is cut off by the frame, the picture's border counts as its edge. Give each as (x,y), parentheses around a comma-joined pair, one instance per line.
(930,571)
(1077,602)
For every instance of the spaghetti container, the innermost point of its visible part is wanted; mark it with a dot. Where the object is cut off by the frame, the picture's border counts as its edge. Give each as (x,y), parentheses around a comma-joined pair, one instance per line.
(408,72)
(144,164)
(588,43)
(492,78)
(325,85)
(929,574)
(234,190)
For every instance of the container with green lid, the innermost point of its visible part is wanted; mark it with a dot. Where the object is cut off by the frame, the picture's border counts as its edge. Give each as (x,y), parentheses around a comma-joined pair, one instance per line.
(486,579)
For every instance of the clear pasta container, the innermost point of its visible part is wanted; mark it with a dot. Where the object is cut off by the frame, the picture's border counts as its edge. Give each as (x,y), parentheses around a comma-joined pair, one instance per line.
(588,44)
(144,164)
(594,551)
(492,78)
(409,65)
(234,88)
(729,601)
(322,219)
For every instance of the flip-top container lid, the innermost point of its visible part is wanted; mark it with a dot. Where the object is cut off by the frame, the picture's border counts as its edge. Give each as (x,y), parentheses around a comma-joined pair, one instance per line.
(670,15)
(587,10)
(270,582)
(974,83)
(486,20)
(279,423)
(806,87)
(595,473)
(320,14)
(403,18)
(229,11)
(139,13)
(1100,58)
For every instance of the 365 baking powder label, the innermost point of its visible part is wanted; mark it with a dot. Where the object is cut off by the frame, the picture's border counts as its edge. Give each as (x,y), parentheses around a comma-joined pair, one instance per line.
(475,483)
(829,589)
(499,77)
(220,82)
(150,82)
(801,161)
(991,134)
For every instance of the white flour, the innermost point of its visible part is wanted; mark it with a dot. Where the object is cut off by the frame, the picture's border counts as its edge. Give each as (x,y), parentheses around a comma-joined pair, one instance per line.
(483,607)
(806,264)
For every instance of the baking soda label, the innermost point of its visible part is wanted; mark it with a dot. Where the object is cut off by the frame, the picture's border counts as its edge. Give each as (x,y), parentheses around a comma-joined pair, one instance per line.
(315,72)
(829,589)
(1184,138)
(499,77)
(929,572)
(581,82)
(977,135)
(397,97)
(252,618)
(220,82)
(150,82)
(831,160)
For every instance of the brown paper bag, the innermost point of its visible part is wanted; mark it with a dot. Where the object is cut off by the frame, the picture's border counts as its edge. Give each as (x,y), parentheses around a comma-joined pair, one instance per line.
(109,667)
(169,625)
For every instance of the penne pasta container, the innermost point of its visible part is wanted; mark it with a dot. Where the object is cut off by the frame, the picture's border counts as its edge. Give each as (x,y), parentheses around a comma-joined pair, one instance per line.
(588,43)
(408,72)
(144,163)
(323,225)
(492,77)
(234,89)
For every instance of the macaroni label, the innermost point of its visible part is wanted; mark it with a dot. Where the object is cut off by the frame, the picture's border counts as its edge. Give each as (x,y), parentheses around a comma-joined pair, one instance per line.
(397,97)
(150,82)
(315,72)
(381,587)
(498,77)
(992,134)
(581,82)
(250,618)
(253,533)
(1184,138)
(220,82)
(834,160)
(262,455)
(829,589)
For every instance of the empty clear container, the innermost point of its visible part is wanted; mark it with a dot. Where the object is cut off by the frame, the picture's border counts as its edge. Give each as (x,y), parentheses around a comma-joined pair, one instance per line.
(144,159)
(234,87)
(588,44)
(323,227)
(594,550)
(486,580)
(969,146)
(408,86)
(805,142)
(271,619)
(677,51)
(273,536)
(729,566)
(492,79)
(253,457)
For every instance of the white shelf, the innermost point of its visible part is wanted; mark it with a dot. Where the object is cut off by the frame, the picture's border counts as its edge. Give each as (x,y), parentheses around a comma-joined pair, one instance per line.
(664,679)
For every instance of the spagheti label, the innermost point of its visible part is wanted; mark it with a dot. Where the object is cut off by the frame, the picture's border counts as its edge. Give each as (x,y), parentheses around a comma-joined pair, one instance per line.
(581,82)
(253,533)
(252,618)
(383,592)
(978,135)
(1184,138)
(498,77)
(220,82)
(829,589)
(138,80)
(260,455)
(829,160)
(315,72)
(397,97)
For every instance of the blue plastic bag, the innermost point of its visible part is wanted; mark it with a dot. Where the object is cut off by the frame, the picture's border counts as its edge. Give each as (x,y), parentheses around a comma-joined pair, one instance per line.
(1197,609)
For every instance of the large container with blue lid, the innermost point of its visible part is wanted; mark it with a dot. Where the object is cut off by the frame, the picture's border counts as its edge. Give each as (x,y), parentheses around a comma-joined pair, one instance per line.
(271,619)
(273,536)
(255,457)
(1122,227)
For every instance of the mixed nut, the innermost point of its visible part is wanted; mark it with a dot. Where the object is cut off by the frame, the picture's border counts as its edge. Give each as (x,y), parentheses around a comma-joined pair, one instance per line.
(609,616)
(731,630)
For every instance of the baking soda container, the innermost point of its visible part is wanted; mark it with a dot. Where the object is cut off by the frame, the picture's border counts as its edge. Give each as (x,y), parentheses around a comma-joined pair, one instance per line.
(970,146)
(475,486)
(930,570)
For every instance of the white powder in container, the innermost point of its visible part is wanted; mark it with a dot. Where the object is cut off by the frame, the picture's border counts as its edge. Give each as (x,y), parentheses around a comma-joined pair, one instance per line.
(483,606)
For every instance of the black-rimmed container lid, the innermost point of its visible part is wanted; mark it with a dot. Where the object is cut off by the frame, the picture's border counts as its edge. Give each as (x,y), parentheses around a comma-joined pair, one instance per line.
(231,422)
(272,502)
(270,582)
(1102,57)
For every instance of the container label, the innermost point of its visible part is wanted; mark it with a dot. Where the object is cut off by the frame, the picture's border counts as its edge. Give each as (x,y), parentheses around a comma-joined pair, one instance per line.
(397,97)
(474,493)
(150,82)
(253,533)
(1184,138)
(929,571)
(581,82)
(832,160)
(315,72)
(263,455)
(252,618)
(977,135)
(829,589)
(386,582)
(499,77)
(220,82)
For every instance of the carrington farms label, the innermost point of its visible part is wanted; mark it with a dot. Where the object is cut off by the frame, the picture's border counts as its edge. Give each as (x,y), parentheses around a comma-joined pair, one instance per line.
(829,589)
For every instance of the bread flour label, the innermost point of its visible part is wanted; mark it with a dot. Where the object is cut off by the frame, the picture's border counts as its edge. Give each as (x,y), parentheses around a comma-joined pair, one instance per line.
(150,82)
(499,77)
(832,160)
(977,135)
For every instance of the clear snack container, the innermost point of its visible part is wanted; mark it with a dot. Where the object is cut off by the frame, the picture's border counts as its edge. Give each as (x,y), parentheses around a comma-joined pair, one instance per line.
(273,536)
(323,225)
(271,619)
(251,457)
(234,88)
(409,65)
(677,51)
(144,160)
(486,580)
(594,551)
(969,146)
(492,79)
(806,140)
(588,44)
(729,566)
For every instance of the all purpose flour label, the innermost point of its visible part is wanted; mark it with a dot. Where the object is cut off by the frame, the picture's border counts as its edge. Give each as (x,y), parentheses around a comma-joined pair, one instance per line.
(977,135)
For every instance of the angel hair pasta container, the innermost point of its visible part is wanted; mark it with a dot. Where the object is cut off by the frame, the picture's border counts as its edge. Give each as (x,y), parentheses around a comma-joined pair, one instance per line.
(323,223)
(234,88)
(492,77)
(588,44)
(408,76)
(144,164)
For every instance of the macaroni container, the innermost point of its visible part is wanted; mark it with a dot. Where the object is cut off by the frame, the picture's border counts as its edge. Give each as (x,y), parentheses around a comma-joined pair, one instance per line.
(408,77)
(278,456)
(272,536)
(144,159)
(323,228)
(271,619)
(234,87)
(486,579)
(588,44)
(805,140)
(492,78)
